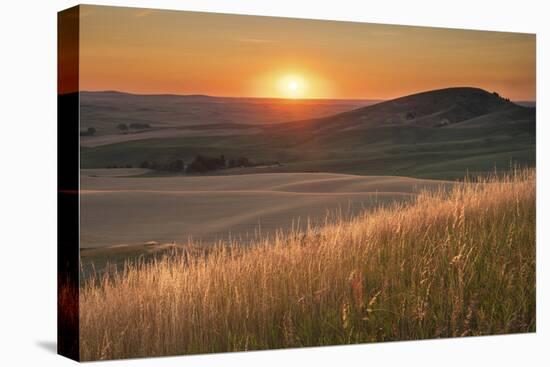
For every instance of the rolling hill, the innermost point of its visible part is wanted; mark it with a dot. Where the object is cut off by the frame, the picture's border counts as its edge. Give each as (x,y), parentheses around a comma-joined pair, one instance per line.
(437,134)
(134,210)
(187,115)
(437,108)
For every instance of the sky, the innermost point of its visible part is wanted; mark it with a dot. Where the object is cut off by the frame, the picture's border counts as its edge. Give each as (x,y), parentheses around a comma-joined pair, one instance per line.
(158,51)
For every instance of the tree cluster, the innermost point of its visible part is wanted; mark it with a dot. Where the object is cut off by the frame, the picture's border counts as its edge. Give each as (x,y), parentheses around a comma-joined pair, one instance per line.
(203,164)
(200,164)
(119,166)
(134,126)
(171,166)
(499,96)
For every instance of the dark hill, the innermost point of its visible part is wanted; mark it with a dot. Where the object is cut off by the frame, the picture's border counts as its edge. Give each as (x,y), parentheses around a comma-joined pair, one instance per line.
(445,133)
(437,108)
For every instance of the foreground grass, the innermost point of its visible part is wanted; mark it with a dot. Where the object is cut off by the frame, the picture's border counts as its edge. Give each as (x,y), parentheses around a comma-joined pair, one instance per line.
(451,264)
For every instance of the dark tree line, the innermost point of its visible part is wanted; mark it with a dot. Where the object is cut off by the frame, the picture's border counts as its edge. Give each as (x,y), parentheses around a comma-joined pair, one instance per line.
(499,96)
(134,125)
(199,164)
(172,166)
(119,166)
(203,164)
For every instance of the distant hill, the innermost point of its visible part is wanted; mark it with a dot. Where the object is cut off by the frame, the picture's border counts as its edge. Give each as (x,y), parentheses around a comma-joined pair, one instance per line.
(105,110)
(437,134)
(437,108)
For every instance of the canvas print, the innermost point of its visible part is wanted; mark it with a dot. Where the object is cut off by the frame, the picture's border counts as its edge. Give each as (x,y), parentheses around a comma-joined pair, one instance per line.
(236,183)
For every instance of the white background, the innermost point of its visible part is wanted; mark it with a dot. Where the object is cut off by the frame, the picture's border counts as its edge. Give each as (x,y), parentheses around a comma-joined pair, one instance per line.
(28,182)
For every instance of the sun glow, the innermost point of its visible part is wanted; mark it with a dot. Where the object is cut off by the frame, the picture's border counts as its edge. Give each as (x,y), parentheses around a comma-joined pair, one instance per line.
(292,86)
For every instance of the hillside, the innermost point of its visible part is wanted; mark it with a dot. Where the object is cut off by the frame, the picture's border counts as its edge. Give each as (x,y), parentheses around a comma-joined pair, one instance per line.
(439,134)
(208,208)
(183,115)
(437,108)
(448,265)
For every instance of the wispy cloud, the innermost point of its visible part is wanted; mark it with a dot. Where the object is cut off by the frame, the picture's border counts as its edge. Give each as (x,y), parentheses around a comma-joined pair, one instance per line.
(254,40)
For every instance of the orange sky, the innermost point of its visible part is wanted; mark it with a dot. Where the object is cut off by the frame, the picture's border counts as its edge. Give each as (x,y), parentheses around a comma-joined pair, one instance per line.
(159,51)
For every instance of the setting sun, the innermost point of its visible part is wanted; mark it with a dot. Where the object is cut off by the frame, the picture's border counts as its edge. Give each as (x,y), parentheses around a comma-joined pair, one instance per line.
(293,58)
(292,86)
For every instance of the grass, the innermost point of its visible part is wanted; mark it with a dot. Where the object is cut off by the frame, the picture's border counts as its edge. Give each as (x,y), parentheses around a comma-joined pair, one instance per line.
(414,152)
(449,264)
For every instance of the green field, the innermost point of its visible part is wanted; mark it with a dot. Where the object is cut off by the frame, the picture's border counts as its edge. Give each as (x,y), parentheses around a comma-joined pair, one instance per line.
(404,151)
(441,134)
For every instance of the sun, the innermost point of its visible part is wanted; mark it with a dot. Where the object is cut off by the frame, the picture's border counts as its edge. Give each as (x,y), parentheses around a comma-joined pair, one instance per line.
(292,86)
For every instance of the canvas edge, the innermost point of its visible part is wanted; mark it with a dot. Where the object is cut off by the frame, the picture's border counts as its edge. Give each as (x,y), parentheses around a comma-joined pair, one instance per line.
(68,162)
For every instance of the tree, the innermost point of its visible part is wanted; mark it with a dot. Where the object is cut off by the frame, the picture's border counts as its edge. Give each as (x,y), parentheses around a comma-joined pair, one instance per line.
(243,162)
(197,166)
(176,165)
(122,127)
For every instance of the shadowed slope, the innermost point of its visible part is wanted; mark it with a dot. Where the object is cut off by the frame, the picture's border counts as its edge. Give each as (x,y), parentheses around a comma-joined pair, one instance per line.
(441,134)
(427,109)
(134,210)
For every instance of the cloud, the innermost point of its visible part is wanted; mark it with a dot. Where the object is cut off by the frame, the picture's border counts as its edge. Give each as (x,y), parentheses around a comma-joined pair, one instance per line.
(254,40)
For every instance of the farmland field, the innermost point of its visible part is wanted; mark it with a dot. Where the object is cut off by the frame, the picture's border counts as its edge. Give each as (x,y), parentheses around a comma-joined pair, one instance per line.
(118,208)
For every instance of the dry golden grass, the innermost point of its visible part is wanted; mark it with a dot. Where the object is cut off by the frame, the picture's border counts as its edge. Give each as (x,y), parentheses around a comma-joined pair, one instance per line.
(450,264)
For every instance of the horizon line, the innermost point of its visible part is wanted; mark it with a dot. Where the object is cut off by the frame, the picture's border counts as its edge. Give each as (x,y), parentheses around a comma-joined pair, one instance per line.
(283,98)
(222,96)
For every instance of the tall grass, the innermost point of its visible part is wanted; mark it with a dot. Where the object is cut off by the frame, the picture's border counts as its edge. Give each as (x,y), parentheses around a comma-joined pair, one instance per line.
(450,264)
